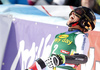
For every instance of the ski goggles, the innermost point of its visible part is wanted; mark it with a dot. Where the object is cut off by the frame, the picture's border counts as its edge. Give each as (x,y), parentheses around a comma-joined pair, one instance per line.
(78,12)
(81,13)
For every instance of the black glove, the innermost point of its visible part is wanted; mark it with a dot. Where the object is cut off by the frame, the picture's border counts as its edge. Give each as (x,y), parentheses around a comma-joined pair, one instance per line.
(54,60)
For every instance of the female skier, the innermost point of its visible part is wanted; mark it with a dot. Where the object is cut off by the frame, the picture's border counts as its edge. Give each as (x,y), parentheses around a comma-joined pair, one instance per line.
(70,48)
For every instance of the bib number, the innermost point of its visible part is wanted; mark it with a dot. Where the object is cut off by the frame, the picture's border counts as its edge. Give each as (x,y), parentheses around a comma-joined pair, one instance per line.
(55,48)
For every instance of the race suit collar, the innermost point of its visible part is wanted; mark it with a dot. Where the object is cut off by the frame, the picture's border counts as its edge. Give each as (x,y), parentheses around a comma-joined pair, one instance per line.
(72,31)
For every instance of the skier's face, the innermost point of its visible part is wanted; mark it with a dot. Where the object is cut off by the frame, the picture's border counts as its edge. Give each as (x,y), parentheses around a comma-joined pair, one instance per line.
(72,18)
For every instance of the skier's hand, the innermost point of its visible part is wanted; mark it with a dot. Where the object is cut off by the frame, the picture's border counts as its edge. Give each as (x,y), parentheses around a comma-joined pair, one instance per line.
(54,60)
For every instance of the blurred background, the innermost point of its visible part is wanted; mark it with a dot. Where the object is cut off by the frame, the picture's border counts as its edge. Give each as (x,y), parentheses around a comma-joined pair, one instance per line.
(93,4)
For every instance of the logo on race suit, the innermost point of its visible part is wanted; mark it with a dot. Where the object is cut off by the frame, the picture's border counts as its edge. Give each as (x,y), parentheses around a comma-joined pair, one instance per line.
(63,36)
(65,52)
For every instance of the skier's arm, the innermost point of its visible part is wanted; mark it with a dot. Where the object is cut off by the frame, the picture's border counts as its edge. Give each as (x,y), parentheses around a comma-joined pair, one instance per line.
(40,62)
(82,44)
(37,65)
(76,59)
(56,60)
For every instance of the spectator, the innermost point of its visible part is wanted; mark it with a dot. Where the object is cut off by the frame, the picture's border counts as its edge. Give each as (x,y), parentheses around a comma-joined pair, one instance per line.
(0,2)
(93,4)
(32,2)
(15,2)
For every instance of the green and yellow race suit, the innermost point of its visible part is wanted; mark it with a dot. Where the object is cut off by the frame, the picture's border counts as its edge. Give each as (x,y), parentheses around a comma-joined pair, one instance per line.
(65,44)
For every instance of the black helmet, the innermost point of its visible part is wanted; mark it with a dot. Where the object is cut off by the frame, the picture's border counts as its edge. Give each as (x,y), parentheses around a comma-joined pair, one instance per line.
(87,18)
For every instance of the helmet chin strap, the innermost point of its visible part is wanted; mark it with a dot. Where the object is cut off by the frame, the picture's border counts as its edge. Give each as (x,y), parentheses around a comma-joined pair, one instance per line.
(73,24)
